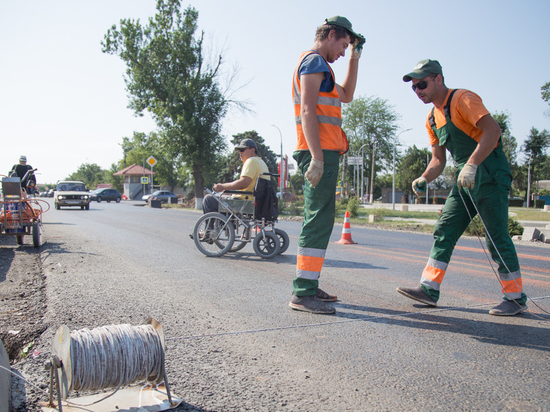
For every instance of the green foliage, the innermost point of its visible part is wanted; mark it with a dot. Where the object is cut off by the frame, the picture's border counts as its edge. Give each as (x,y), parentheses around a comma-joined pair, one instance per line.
(545,92)
(169,172)
(514,227)
(168,76)
(515,202)
(370,121)
(535,147)
(476,227)
(296,208)
(90,174)
(297,180)
(412,165)
(232,163)
(353,206)
(509,143)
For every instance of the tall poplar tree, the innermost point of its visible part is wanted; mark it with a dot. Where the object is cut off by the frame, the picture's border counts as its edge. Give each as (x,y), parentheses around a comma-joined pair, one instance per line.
(168,75)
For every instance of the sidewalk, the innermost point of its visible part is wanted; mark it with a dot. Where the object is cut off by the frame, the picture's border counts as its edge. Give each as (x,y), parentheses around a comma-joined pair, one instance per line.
(541,225)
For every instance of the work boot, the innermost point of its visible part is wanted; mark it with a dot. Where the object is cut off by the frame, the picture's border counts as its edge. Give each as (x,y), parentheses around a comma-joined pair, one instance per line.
(324,296)
(507,308)
(417,294)
(311,304)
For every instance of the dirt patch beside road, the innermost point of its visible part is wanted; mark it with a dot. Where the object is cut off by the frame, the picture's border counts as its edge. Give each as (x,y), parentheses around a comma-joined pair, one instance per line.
(22,302)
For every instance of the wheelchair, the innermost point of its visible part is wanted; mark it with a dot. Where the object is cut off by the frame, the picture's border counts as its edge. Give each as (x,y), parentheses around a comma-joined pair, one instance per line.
(239,222)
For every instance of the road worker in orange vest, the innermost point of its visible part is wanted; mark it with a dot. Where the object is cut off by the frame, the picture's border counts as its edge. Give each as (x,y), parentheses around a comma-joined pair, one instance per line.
(317,102)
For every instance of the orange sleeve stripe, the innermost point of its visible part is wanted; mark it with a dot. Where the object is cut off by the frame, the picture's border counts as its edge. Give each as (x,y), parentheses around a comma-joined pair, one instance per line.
(313,264)
(433,274)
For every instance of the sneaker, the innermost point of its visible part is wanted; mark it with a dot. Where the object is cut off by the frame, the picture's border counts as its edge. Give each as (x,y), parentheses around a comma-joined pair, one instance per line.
(324,296)
(507,308)
(417,294)
(310,304)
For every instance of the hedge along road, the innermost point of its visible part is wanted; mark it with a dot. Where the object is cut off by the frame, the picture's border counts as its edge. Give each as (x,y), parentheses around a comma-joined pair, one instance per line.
(233,344)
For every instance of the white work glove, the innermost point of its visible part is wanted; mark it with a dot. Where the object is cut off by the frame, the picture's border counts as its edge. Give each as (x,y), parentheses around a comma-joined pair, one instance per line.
(315,172)
(467,176)
(357,47)
(419,185)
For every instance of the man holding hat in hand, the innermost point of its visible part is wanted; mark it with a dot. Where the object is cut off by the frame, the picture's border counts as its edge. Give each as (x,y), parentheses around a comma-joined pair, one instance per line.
(460,123)
(317,102)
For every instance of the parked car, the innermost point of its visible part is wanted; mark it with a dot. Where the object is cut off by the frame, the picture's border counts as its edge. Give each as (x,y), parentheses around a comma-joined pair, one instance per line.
(106,194)
(164,196)
(71,193)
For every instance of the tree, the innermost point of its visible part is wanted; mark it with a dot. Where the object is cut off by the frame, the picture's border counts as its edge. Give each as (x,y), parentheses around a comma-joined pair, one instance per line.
(90,174)
(545,93)
(371,121)
(233,163)
(140,146)
(535,147)
(168,76)
(297,180)
(411,166)
(509,145)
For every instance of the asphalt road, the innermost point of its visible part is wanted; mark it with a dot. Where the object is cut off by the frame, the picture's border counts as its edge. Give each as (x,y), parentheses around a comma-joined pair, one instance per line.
(233,344)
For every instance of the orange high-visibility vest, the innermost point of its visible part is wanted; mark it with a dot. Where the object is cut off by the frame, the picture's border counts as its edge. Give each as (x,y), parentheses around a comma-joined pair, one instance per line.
(329,115)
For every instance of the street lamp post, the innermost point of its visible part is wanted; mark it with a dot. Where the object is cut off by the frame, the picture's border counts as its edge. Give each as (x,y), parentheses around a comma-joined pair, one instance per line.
(393,182)
(362,181)
(282,162)
(529,183)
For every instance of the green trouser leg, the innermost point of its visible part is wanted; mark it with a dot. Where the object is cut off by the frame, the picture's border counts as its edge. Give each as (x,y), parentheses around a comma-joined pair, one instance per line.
(491,198)
(319,212)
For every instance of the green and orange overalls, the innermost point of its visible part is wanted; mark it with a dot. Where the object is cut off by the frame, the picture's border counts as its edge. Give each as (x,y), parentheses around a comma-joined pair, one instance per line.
(319,202)
(490,194)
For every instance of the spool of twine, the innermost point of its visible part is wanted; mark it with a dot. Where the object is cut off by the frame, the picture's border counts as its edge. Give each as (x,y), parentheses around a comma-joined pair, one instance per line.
(115,356)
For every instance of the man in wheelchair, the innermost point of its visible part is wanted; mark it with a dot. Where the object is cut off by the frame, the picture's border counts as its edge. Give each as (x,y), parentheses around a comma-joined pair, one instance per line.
(253,167)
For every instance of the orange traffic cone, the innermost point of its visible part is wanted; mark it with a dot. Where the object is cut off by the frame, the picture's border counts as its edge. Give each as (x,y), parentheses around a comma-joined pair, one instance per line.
(346,233)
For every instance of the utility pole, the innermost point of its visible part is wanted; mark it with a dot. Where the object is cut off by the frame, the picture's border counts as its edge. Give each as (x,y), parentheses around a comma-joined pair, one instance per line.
(282,178)
(393,183)
(529,183)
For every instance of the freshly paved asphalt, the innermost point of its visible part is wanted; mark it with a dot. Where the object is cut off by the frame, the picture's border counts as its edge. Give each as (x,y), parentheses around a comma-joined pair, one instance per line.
(233,344)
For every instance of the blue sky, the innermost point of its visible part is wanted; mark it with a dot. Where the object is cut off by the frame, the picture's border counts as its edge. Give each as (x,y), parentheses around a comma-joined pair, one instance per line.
(63,102)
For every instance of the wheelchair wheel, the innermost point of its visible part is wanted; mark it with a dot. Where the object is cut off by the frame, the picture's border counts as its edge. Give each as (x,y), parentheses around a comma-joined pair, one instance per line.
(266,245)
(213,235)
(284,241)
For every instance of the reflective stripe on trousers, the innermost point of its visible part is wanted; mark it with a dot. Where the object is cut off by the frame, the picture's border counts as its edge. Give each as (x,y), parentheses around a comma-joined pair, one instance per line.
(309,263)
(434,272)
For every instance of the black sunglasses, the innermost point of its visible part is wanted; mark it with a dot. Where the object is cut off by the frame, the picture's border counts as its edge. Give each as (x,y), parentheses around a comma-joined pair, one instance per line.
(242,150)
(420,85)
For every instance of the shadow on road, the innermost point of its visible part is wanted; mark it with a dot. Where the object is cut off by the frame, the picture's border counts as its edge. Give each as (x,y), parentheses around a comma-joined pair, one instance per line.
(481,330)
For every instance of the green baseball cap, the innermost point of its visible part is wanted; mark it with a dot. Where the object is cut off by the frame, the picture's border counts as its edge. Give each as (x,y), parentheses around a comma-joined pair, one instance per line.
(422,69)
(342,22)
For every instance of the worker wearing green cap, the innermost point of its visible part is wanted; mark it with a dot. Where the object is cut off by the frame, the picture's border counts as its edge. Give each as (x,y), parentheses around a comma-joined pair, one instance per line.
(460,123)
(317,102)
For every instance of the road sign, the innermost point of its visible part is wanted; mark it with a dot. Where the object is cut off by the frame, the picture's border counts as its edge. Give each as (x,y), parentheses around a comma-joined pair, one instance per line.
(356,160)
(144,180)
(151,160)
